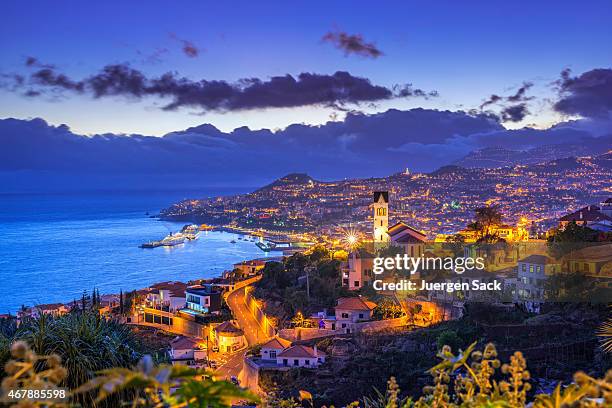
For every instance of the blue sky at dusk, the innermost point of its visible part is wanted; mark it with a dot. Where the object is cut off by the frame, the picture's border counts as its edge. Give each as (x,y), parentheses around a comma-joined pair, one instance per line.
(194,93)
(464,50)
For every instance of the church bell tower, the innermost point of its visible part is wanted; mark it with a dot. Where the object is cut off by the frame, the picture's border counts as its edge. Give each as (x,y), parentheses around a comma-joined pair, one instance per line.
(381,216)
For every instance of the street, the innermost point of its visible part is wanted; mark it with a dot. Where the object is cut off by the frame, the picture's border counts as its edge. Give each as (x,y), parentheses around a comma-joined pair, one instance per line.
(252,332)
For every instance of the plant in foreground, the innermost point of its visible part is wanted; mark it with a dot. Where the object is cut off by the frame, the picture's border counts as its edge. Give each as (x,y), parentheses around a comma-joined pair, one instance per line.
(153,386)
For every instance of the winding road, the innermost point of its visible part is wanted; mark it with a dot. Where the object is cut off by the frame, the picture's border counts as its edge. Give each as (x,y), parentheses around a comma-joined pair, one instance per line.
(252,332)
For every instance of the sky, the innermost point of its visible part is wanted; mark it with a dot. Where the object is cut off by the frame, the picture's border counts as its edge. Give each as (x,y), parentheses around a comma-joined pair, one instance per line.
(457,53)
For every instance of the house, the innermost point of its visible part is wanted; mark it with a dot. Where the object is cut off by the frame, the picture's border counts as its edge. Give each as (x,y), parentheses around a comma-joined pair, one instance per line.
(201,299)
(50,309)
(352,310)
(187,351)
(300,356)
(593,261)
(167,296)
(357,271)
(249,268)
(108,303)
(591,214)
(532,274)
(273,347)
(229,337)
(411,240)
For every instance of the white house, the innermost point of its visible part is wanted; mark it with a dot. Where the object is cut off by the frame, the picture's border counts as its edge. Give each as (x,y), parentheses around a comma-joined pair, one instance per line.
(187,351)
(202,299)
(229,337)
(532,274)
(300,356)
(352,310)
(273,347)
(167,295)
(357,271)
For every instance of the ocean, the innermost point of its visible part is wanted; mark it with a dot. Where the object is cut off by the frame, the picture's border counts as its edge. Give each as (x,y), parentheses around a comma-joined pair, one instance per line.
(54,246)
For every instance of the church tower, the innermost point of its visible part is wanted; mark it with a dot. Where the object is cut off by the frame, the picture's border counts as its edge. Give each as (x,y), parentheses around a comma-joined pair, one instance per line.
(381,216)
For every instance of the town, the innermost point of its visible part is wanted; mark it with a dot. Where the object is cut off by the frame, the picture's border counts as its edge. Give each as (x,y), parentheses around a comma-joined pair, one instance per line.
(246,324)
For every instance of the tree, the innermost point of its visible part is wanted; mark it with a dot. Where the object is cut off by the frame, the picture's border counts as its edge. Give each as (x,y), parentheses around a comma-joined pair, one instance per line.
(121,308)
(573,237)
(485,218)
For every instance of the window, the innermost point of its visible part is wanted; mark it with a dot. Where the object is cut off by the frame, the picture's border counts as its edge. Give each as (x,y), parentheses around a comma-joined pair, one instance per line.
(356,283)
(361,315)
(531,268)
(307,362)
(296,362)
(272,353)
(285,362)
(343,325)
(345,315)
(524,267)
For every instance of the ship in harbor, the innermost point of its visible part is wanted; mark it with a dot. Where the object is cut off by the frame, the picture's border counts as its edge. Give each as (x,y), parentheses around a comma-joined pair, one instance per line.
(191,231)
(170,240)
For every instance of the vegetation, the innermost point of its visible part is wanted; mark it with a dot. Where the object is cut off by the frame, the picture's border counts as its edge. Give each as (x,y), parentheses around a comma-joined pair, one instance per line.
(485,218)
(145,385)
(471,375)
(574,237)
(300,284)
(85,342)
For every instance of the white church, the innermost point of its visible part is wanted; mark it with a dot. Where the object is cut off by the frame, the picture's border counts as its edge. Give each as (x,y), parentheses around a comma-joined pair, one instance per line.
(357,272)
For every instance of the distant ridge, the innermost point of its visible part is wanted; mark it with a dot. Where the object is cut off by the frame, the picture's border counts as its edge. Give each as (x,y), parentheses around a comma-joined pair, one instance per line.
(292,178)
(491,157)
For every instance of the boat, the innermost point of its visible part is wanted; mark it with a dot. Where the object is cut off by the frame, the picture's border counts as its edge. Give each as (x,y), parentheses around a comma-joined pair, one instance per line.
(173,239)
(151,244)
(232,242)
(191,231)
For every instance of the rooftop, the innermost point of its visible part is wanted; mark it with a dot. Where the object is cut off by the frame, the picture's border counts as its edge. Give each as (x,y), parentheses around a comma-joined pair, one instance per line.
(276,343)
(228,329)
(300,351)
(355,303)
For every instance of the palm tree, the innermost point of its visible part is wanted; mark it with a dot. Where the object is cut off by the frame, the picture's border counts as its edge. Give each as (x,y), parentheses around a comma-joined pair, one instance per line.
(605,332)
(85,342)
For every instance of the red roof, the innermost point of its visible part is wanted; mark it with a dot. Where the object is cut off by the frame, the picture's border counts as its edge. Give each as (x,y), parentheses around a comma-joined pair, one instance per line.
(228,329)
(49,306)
(300,351)
(276,343)
(402,228)
(355,303)
(183,343)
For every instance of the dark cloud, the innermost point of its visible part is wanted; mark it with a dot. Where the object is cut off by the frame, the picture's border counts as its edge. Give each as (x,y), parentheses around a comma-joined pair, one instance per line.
(514,107)
(188,47)
(48,77)
(360,145)
(514,113)
(352,44)
(520,96)
(407,90)
(34,62)
(588,95)
(493,99)
(307,89)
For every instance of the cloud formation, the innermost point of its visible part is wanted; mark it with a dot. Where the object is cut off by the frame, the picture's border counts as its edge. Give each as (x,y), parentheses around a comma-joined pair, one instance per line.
(513,107)
(588,95)
(188,47)
(352,44)
(306,89)
(514,113)
(361,145)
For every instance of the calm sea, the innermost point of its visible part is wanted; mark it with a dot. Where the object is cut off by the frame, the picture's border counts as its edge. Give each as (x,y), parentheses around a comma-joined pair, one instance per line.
(54,246)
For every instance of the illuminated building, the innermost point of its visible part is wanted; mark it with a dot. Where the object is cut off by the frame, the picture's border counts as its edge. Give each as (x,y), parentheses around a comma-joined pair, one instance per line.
(381,216)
